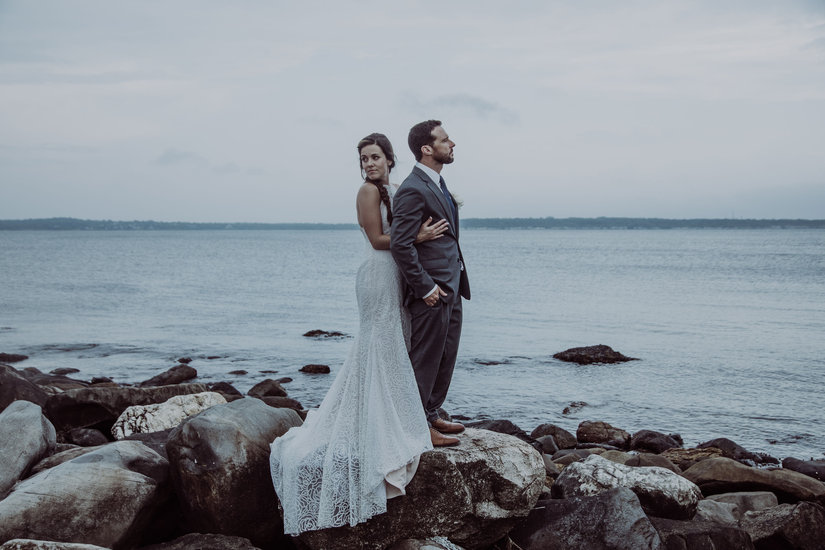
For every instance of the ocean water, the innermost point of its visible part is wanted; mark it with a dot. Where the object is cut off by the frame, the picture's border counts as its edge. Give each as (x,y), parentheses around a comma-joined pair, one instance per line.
(727,324)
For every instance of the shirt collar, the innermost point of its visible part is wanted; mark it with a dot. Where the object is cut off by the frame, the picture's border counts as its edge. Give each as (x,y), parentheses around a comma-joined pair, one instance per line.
(435,176)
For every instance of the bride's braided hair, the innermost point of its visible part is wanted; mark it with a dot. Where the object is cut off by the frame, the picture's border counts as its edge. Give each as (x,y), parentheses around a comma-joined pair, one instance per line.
(384,143)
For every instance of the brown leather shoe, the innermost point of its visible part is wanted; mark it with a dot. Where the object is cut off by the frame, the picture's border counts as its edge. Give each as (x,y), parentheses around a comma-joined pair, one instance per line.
(441,440)
(446,427)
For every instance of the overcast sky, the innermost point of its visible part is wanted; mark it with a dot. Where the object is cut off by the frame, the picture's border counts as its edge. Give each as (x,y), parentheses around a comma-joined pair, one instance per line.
(250,110)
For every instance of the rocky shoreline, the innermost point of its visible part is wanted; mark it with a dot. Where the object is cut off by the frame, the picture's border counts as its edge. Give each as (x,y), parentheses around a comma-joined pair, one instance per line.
(171,464)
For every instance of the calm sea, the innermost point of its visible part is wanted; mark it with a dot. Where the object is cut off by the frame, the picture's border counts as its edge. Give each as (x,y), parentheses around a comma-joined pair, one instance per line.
(728,324)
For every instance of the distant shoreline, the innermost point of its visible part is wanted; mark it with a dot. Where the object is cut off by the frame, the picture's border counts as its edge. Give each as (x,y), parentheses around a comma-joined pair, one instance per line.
(74,224)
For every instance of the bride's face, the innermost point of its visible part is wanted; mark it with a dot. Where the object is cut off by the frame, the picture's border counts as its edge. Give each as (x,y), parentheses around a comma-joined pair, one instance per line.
(374,163)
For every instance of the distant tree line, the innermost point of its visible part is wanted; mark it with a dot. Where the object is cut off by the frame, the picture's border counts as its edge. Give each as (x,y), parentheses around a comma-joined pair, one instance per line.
(57,224)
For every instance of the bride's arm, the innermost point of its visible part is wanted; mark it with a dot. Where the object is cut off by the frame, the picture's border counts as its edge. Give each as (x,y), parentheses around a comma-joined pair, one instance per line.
(368,207)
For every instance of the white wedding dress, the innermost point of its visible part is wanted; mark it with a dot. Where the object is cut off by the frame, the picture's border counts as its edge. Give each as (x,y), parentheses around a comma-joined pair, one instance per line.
(361,446)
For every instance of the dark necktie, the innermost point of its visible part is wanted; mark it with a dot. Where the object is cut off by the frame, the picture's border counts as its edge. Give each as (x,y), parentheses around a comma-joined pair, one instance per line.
(449,198)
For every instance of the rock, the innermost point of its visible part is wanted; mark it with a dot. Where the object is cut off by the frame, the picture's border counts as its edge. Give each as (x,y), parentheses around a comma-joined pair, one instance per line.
(27,437)
(198,541)
(548,444)
(717,512)
(504,427)
(569,456)
(324,334)
(163,416)
(564,439)
(220,469)
(64,371)
(685,458)
(661,492)
(432,543)
(86,437)
(154,440)
(315,369)
(725,475)
(592,354)
(185,360)
(550,468)
(284,380)
(105,497)
(239,372)
(654,442)
(797,526)
(266,388)
(225,389)
(612,520)
(175,375)
(473,494)
(602,432)
(750,501)
(12,357)
(61,457)
(14,386)
(701,535)
(573,406)
(101,380)
(735,451)
(52,382)
(30,544)
(811,468)
(282,402)
(86,407)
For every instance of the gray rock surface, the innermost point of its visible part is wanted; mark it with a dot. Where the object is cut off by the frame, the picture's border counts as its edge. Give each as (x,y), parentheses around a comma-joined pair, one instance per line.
(14,386)
(175,375)
(654,442)
(796,526)
(472,494)
(701,535)
(105,497)
(30,544)
(714,511)
(199,541)
(611,520)
(163,416)
(592,354)
(811,468)
(267,388)
(563,438)
(748,501)
(26,436)
(602,432)
(220,468)
(661,492)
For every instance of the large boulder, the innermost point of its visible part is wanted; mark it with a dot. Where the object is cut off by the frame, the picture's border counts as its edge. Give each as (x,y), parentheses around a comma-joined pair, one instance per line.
(472,494)
(685,458)
(640,459)
(52,383)
(163,416)
(725,475)
(267,388)
(14,386)
(661,492)
(175,375)
(602,432)
(82,408)
(811,468)
(106,497)
(795,526)
(731,449)
(745,501)
(27,437)
(29,544)
(701,535)
(563,438)
(220,469)
(612,520)
(654,442)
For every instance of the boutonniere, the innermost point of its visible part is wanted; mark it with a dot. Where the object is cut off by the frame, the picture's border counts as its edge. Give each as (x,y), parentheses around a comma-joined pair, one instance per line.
(459,202)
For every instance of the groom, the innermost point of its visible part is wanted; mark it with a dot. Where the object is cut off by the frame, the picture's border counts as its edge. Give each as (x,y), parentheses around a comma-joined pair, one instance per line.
(433,272)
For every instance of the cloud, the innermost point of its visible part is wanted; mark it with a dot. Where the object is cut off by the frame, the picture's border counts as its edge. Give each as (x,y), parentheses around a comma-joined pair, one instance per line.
(466,104)
(172,157)
(177,157)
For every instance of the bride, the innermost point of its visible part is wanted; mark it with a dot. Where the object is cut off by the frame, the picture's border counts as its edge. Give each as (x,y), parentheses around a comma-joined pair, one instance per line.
(362,445)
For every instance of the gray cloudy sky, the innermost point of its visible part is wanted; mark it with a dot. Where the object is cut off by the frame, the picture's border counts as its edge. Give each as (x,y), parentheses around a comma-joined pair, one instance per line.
(250,111)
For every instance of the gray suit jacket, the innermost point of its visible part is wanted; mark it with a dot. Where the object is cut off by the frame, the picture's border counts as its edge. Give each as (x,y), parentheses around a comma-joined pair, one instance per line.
(423,265)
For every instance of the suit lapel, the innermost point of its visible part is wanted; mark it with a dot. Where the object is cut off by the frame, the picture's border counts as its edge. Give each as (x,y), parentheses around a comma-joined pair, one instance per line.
(439,196)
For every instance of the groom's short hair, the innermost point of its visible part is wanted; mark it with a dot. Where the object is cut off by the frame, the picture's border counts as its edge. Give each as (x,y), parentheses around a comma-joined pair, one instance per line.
(420,135)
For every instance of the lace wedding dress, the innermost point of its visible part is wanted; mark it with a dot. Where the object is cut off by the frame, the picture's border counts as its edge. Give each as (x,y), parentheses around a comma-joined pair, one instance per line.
(361,446)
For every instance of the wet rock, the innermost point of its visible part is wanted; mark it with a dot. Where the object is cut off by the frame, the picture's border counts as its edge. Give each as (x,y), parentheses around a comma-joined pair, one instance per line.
(105,497)
(198,541)
(569,456)
(612,520)
(12,357)
(794,526)
(284,380)
(239,372)
(163,416)
(64,371)
(175,375)
(30,544)
(267,388)
(716,512)
(101,380)
(220,468)
(811,468)
(224,388)
(573,407)
(602,432)
(592,354)
(86,437)
(282,402)
(661,492)
(735,451)
(472,494)
(747,501)
(154,440)
(87,407)
(60,457)
(653,442)
(185,360)
(548,444)
(563,438)
(27,436)
(504,427)
(685,458)
(640,459)
(315,369)
(701,535)
(324,334)
(52,382)
(725,475)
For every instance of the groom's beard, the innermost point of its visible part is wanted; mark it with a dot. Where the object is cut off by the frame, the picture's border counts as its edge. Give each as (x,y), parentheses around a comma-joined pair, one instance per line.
(444,159)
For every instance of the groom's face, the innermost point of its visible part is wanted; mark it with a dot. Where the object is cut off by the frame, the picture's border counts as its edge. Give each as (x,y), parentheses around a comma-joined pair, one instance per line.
(442,146)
